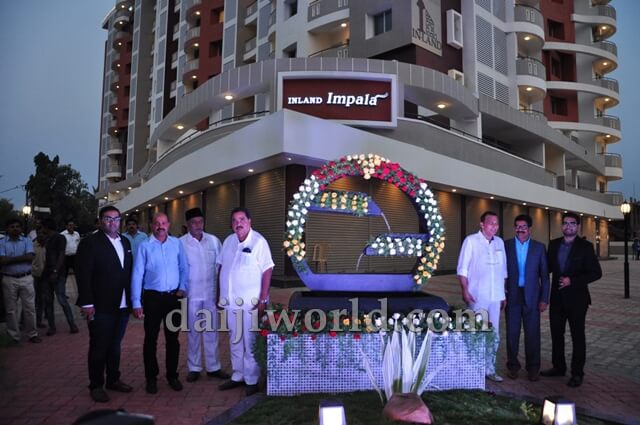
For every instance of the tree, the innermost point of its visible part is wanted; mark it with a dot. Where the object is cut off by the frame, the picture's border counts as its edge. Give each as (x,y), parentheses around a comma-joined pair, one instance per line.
(62,189)
(6,212)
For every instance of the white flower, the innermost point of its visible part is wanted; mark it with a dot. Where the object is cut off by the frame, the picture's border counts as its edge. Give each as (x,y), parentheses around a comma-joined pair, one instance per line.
(423,185)
(296,196)
(380,251)
(374,245)
(392,251)
(307,182)
(436,315)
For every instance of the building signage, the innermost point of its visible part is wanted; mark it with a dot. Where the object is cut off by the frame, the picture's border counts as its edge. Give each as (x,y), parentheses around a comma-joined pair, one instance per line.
(426,25)
(351,98)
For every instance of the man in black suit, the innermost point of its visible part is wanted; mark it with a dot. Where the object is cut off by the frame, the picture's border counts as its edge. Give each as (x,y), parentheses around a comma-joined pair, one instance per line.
(103,274)
(527,296)
(574,265)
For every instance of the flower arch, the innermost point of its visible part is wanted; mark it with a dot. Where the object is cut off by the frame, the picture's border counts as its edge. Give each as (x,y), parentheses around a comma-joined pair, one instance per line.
(313,195)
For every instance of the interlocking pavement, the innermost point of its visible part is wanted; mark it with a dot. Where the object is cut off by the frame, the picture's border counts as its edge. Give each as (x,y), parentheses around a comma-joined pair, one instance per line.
(47,383)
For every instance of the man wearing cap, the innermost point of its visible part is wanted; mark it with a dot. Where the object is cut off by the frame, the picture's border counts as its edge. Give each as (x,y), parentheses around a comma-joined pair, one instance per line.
(245,277)
(202,250)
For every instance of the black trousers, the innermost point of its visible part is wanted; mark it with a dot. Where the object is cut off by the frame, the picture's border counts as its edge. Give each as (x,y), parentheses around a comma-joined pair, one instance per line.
(157,306)
(559,314)
(518,315)
(106,331)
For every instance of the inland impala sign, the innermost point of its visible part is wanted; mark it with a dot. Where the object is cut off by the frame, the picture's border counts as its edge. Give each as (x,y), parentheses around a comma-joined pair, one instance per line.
(350,98)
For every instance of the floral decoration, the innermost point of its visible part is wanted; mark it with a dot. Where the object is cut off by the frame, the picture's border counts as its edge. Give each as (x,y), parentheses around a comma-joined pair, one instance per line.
(311,192)
(354,202)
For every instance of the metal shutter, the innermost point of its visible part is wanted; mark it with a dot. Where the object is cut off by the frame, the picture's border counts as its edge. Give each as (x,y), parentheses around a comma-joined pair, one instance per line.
(221,200)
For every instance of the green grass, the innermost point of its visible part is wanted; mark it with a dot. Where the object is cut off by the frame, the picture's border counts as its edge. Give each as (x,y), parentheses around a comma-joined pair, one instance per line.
(448,408)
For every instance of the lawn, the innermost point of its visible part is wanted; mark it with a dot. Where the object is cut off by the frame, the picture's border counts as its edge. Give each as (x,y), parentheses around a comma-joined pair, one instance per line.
(364,408)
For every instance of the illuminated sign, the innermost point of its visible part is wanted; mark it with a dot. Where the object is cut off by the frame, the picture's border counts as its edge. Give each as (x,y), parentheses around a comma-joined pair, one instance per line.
(426,25)
(352,98)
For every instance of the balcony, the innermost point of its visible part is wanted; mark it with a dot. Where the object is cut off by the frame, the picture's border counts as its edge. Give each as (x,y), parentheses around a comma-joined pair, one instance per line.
(339,51)
(531,79)
(614,198)
(320,8)
(609,121)
(123,4)
(613,166)
(114,148)
(122,18)
(120,39)
(192,8)
(529,26)
(115,85)
(531,3)
(117,63)
(607,83)
(114,130)
(272,19)
(190,69)
(191,41)
(113,171)
(251,14)
(602,18)
(607,46)
(249,45)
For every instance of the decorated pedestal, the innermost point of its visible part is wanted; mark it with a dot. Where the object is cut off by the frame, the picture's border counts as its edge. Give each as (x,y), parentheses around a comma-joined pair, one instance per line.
(327,364)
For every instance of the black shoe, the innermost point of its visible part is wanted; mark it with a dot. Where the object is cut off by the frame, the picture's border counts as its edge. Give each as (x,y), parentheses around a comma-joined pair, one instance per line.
(251,390)
(534,375)
(35,339)
(152,387)
(575,381)
(552,372)
(219,374)
(230,384)
(98,395)
(51,331)
(175,384)
(512,374)
(74,329)
(119,386)
(193,376)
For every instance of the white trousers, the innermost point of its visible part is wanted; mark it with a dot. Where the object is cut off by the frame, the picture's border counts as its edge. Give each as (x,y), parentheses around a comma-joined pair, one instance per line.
(19,292)
(493,308)
(245,367)
(199,339)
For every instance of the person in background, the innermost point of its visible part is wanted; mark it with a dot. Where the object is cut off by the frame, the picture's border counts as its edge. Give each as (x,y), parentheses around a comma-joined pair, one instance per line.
(73,239)
(37,270)
(134,234)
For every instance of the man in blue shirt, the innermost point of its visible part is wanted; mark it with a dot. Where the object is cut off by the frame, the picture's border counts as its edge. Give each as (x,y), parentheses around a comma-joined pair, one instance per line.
(527,296)
(159,280)
(16,255)
(134,235)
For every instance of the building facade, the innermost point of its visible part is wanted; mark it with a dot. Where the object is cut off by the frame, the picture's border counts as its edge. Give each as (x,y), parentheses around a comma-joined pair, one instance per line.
(500,105)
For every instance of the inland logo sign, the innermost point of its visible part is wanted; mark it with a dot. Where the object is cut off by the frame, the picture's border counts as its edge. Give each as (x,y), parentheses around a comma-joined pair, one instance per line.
(351,99)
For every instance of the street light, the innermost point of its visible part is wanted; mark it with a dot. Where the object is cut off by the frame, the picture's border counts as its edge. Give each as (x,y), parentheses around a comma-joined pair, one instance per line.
(626,209)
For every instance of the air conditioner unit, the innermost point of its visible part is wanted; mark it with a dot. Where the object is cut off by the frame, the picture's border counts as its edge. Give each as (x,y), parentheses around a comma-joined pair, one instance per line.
(456,75)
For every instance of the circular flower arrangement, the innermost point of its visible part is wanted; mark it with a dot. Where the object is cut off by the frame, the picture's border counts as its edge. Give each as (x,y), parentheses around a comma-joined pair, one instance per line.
(312,192)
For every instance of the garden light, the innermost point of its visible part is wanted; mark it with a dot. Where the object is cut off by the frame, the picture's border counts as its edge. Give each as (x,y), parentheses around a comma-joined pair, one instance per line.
(331,413)
(558,411)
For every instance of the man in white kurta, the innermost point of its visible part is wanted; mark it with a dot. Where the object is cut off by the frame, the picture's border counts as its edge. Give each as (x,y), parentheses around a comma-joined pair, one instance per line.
(482,270)
(245,277)
(202,250)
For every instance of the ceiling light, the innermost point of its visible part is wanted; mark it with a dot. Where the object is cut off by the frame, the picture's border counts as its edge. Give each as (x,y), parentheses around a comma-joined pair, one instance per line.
(529,88)
(492,197)
(605,63)
(250,170)
(581,214)
(166,198)
(211,182)
(181,192)
(565,211)
(194,77)
(441,105)
(137,210)
(117,191)
(604,28)
(289,158)
(149,205)
(228,97)
(104,198)
(343,25)
(608,136)
(527,37)
(546,208)
(122,6)
(606,99)
(117,65)
(609,219)
(595,216)
(454,190)
(129,188)
(115,108)
(180,127)
(119,43)
(198,12)
(524,203)
(196,44)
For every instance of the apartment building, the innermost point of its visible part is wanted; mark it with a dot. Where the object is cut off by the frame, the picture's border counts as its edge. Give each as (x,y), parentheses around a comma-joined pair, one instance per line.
(501,105)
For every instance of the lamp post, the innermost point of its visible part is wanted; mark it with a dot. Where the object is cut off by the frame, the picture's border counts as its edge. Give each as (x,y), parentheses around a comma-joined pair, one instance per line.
(626,209)
(26,210)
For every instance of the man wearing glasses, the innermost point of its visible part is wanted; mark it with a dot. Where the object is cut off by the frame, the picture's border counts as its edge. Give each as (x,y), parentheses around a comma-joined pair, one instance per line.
(527,297)
(573,264)
(103,274)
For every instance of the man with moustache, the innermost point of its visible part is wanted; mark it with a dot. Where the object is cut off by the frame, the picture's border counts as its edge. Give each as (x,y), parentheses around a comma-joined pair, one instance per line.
(134,235)
(159,280)
(201,250)
(245,277)
(573,264)
(527,297)
(103,275)
(482,270)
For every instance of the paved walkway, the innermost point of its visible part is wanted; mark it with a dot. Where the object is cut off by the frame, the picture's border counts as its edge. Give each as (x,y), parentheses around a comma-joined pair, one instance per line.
(46,383)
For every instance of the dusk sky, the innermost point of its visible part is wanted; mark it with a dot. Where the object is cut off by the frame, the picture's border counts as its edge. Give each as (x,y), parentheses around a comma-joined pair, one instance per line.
(52,82)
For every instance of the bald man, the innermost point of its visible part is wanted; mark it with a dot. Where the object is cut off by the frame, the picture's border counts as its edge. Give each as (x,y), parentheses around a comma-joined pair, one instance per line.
(159,280)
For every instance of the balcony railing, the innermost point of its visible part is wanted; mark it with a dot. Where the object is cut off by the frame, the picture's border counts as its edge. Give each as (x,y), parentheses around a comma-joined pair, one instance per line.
(173,86)
(272,19)
(607,46)
(528,14)
(613,160)
(606,10)
(607,83)
(122,15)
(193,33)
(339,51)
(252,8)
(249,45)
(538,115)
(615,198)
(190,3)
(320,8)
(114,168)
(530,66)
(114,146)
(609,121)
(191,65)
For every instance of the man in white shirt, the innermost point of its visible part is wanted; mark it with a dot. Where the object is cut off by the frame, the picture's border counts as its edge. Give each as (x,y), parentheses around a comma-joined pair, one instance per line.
(245,277)
(202,250)
(73,239)
(482,270)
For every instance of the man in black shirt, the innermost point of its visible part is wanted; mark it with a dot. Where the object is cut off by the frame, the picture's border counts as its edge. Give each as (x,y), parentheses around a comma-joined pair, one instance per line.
(54,277)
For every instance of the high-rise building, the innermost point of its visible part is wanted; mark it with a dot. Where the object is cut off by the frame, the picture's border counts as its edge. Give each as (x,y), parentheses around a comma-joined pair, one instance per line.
(500,105)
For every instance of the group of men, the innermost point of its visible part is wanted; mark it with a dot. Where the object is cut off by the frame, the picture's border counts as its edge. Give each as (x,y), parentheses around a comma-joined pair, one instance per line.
(151,276)
(514,276)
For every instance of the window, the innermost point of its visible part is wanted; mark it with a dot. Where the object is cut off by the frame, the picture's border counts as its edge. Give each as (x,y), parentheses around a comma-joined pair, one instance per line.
(382,22)
(556,70)
(558,105)
(556,29)
(292,8)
